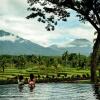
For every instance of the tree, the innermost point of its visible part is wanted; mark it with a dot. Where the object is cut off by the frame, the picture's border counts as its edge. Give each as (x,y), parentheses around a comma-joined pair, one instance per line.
(65,58)
(73,59)
(88,10)
(47,62)
(55,63)
(20,62)
(3,62)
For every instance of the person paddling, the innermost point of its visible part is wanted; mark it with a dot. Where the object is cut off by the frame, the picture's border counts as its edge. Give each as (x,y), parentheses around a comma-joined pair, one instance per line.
(20,83)
(31,82)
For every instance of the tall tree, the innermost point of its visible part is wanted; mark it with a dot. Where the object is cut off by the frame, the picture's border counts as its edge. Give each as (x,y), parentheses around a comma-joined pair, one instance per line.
(88,10)
(65,58)
(3,62)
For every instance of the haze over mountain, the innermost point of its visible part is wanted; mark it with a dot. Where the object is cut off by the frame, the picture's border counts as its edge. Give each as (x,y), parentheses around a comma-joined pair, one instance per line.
(82,46)
(15,45)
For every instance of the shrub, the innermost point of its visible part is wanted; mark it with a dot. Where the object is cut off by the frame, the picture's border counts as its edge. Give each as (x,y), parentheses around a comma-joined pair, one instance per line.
(47,76)
(58,74)
(53,76)
(88,75)
(39,76)
(65,74)
(78,77)
(72,77)
(43,77)
(84,76)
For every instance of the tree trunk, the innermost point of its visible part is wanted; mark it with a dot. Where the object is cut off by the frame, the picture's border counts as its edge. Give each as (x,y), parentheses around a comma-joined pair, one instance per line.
(94,58)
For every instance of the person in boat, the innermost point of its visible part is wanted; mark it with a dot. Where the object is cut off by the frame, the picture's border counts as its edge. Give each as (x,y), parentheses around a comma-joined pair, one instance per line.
(31,82)
(20,82)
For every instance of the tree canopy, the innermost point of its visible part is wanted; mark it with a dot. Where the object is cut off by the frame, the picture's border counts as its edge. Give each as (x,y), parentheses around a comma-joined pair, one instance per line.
(51,11)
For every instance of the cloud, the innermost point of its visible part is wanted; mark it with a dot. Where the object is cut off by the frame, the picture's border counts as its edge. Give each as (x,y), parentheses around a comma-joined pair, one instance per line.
(27,29)
(7,38)
(82,32)
(12,19)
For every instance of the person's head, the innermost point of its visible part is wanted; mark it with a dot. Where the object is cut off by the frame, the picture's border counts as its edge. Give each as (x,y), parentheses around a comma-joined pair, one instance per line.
(31,76)
(20,77)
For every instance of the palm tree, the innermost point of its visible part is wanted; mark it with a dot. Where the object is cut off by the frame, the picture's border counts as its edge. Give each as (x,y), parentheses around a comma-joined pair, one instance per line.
(65,58)
(3,62)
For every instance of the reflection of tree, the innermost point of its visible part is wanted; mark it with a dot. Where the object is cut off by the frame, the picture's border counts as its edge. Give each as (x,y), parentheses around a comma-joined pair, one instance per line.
(96,89)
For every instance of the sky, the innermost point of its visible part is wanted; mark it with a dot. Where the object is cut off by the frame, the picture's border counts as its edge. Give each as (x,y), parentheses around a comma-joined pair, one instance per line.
(13,19)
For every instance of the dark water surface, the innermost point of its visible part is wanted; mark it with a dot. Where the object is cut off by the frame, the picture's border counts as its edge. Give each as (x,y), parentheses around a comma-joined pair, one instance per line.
(49,91)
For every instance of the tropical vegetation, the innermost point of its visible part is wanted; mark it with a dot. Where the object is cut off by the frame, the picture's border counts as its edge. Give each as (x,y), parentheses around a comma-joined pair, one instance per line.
(68,66)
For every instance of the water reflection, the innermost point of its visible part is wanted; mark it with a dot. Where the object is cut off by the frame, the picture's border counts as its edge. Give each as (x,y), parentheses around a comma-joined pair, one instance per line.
(96,88)
(20,88)
(31,89)
(50,91)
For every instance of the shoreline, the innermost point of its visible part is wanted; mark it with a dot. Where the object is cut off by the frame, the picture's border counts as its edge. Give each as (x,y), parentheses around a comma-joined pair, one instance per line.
(81,81)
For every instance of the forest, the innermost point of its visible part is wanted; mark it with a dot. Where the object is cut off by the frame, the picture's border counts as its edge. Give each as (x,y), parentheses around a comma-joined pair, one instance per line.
(69,65)
(72,60)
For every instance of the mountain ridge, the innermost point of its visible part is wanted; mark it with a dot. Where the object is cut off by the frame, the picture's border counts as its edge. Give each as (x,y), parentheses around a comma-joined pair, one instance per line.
(25,47)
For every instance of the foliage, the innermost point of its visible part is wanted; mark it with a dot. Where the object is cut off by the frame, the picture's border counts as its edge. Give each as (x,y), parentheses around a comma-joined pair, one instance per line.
(51,11)
(67,60)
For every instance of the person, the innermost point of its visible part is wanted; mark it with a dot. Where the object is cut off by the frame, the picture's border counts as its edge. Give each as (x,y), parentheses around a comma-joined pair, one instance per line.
(20,82)
(31,82)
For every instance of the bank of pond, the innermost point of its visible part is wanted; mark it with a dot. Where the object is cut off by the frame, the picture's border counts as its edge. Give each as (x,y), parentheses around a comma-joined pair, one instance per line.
(85,78)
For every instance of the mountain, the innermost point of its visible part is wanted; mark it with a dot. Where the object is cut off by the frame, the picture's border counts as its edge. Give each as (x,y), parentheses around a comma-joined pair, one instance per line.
(82,46)
(81,43)
(15,45)
(20,46)
(3,33)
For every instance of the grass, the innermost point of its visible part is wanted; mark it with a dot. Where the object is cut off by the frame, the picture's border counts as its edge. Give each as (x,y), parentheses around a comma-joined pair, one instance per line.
(11,72)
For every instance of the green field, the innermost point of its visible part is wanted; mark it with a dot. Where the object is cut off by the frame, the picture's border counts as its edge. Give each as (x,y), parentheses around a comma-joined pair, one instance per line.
(65,68)
(11,72)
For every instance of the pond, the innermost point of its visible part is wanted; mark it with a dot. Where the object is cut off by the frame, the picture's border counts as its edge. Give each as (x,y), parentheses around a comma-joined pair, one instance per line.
(49,91)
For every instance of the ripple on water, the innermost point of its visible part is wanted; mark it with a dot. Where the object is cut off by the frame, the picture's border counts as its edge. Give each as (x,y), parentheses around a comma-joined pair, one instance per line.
(48,91)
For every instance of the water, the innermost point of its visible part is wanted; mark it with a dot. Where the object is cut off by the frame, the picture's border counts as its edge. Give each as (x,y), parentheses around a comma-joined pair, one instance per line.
(49,91)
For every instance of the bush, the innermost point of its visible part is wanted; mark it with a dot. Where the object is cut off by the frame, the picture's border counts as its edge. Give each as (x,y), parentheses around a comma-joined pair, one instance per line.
(47,76)
(39,76)
(72,77)
(53,76)
(58,74)
(68,78)
(62,77)
(78,77)
(43,77)
(88,76)
(65,74)
(84,76)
